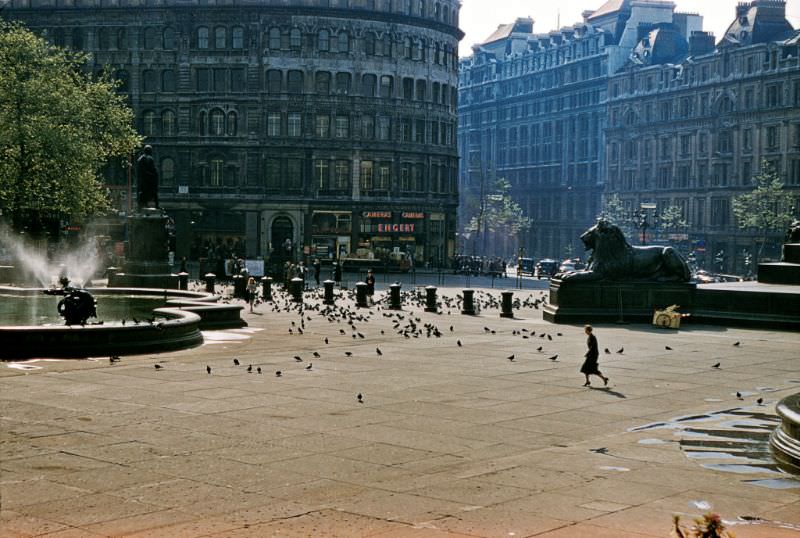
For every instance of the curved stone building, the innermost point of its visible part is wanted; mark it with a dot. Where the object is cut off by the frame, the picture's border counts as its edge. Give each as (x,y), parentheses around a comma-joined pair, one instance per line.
(319,127)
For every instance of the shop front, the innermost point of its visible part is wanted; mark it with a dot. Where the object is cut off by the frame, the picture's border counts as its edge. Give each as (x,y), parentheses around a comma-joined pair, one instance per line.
(391,236)
(330,234)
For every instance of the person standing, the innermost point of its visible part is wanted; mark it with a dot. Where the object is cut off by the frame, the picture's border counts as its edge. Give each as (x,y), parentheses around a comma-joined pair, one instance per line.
(317,268)
(252,292)
(337,273)
(370,284)
(590,366)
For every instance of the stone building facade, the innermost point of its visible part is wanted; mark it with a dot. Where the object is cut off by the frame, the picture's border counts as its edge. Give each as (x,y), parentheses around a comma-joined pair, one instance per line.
(691,121)
(532,110)
(325,127)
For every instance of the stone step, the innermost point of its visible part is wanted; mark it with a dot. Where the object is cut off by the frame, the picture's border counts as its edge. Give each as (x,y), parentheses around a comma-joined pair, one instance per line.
(779,273)
(791,252)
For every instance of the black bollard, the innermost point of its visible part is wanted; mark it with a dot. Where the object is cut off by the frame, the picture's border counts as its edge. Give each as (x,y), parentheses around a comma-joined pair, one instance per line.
(111,271)
(430,299)
(210,278)
(507,308)
(394,296)
(183,281)
(468,306)
(296,289)
(328,292)
(361,295)
(266,288)
(239,286)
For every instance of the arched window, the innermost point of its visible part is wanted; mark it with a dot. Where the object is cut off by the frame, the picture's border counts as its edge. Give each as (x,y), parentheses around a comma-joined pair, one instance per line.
(103,39)
(323,82)
(77,39)
(149,81)
(168,38)
(423,51)
(386,50)
(295,39)
(437,11)
(149,38)
(220,37)
(369,44)
(725,105)
(216,122)
(216,171)
(387,86)
(343,42)
(149,125)
(168,123)
(202,37)
(343,83)
(421,8)
(232,123)
(368,84)
(407,48)
(168,80)
(274,81)
(275,38)
(324,41)
(295,81)
(168,171)
(122,39)
(238,37)
(421,90)
(437,54)
(123,80)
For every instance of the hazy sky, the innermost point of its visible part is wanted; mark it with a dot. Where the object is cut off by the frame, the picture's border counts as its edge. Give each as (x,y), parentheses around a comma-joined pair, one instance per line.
(479,18)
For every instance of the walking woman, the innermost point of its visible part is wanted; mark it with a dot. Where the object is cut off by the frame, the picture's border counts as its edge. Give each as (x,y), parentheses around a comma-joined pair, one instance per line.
(590,364)
(252,292)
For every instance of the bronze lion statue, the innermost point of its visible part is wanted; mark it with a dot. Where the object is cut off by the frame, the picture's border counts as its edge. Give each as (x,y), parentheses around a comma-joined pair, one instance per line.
(613,258)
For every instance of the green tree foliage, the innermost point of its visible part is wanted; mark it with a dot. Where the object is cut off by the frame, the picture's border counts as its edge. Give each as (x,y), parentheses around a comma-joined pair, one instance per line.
(671,219)
(58,127)
(502,215)
(767,208)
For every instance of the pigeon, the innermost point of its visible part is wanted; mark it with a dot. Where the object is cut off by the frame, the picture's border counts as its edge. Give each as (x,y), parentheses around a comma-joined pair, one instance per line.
(348,353)
(539,349)
(378,351)
(310,365)
(326,339)
(549,337)
(607,350)
(278,373)
(258,369)
(360,398)
(668,348)
(158,366)
(236,362)
(297,358)
(451,328)
(715,365)
(621,350)
(511,358)
(603,450)
(559,334)
(250,369)
(316,355)
(114,359)
(208,369)
(459,343)
(554,357)
(739,395)
(760,401)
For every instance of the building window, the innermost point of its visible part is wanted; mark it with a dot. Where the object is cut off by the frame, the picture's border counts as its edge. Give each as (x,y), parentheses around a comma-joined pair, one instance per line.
(294,174)
(295,82)
(323,126)
(150,40)
(322,173)
(220,80)
(773,138)
(217,169)
(168,38)
(747,139)
(149,81)
(237,80)
(342,175)
(168,171)
(220,37)
(773,96)
(367,175)
(324,41)
(369,44)
(272,169)
(295,124)
(295,39)
(343,40)
(202,37)
(384,128)
(342,127)
(343,81)
(367,127)
(274,81)
(384,177)
(794,172)
(233,124)
(216,122)
(405,177)
(237,35)
(274,124)
(149,123)
(275,38)
(387,86)
(122,39)
(168,80)
(368,84)
(168,123)
(201,123)
(719,211)
(724,142)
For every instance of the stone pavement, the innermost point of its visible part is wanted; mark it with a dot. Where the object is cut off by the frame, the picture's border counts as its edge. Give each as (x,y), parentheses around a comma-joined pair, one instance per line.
(449,441)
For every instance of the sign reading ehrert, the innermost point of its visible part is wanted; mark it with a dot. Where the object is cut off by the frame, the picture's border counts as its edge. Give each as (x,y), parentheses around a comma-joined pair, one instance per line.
(395,228)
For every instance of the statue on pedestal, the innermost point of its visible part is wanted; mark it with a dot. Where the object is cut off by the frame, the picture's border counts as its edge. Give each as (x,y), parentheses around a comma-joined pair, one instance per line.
(147,176)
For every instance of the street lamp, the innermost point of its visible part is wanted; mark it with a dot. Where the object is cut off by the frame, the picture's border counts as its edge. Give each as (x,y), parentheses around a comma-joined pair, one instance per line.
(642,221)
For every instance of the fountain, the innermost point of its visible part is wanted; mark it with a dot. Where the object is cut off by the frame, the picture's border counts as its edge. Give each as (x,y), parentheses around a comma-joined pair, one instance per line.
(785,440)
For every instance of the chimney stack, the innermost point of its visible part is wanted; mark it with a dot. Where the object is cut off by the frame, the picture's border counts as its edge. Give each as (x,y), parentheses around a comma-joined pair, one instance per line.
(701,43)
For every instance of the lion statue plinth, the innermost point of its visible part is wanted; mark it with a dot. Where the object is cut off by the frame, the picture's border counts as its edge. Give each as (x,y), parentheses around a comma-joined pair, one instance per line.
(613,258)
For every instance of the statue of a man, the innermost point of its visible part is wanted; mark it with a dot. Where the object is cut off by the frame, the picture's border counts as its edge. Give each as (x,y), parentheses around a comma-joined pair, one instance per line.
(147,175)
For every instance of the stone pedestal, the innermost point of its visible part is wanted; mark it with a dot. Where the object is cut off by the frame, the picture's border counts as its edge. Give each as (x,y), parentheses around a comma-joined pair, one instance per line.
(586,302)
(395,302)
(785,441)
(468,306)
(146,265)
(507,306)
(786,271)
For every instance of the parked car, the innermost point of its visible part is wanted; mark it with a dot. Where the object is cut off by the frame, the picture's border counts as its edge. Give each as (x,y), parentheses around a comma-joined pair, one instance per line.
(526,266)
(546,268)
(571,264)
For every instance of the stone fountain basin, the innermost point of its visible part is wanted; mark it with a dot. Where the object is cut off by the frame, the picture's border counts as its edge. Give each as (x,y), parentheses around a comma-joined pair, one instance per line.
(785,440)
(185,314)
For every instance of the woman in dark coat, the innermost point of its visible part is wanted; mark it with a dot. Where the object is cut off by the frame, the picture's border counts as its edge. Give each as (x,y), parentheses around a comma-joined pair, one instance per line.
(590,364)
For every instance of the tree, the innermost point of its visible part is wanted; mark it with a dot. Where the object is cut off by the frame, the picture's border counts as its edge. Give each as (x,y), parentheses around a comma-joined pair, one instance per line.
(671,219)
(614,212)
(58,126)
(501,215)
(767,208)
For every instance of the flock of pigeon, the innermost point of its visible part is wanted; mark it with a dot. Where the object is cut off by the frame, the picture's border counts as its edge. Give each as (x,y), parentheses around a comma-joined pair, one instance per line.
(404,322)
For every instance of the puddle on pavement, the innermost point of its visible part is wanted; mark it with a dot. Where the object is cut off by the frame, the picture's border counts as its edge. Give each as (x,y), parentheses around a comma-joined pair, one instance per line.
(734,440)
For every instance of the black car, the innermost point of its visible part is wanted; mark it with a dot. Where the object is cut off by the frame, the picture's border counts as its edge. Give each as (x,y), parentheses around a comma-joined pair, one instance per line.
(547,268)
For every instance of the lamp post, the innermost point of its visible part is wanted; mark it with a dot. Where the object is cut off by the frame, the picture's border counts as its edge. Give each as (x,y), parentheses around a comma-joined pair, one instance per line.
(642,221)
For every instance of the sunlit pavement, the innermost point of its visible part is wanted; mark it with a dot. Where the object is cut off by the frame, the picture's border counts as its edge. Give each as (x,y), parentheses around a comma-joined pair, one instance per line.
(448,440)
